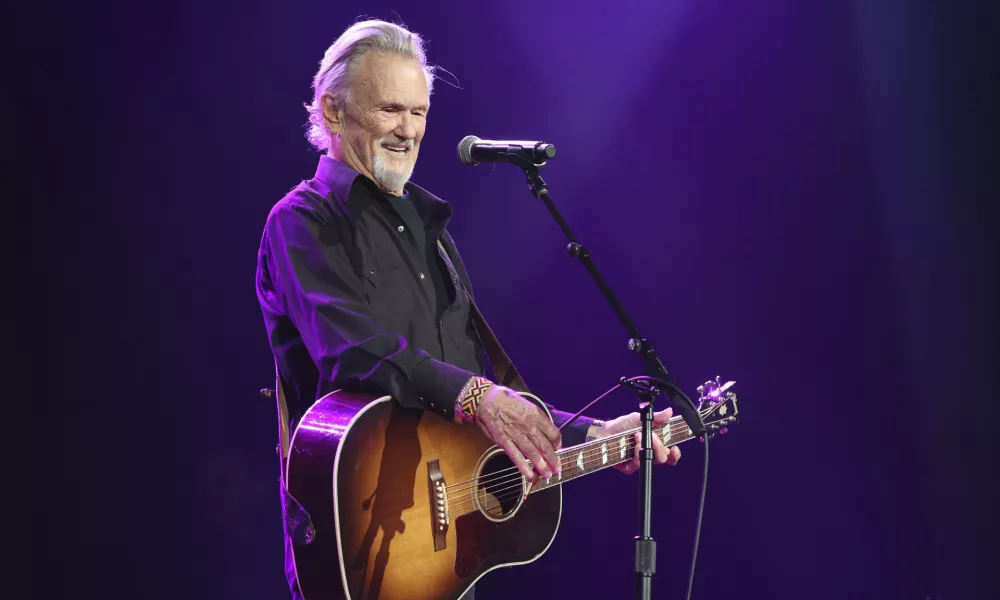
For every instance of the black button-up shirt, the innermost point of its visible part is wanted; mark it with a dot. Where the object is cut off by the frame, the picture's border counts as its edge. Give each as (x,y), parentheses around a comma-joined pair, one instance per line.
(356,296)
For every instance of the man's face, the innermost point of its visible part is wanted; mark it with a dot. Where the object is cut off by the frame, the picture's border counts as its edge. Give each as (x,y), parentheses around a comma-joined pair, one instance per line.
(383,122)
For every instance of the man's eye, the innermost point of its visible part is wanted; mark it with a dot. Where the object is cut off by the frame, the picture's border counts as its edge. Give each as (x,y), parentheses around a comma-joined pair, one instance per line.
(389,109)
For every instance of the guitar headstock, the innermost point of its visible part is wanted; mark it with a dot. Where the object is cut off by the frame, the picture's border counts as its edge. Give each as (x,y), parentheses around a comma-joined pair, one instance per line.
(718,406)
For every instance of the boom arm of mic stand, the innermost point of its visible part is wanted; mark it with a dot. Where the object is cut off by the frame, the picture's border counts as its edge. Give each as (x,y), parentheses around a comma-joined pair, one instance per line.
(636,343)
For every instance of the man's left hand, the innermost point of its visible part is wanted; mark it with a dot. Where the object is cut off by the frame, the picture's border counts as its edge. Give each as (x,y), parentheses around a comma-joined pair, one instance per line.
(662,454)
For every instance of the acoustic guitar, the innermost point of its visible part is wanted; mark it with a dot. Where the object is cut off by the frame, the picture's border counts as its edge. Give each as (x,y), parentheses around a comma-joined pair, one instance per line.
(404,504)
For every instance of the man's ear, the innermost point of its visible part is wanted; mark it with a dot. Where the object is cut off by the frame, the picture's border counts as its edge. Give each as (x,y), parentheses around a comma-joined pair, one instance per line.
(332,116)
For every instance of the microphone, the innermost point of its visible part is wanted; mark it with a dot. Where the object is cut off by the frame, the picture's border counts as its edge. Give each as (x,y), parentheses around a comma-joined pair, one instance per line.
(472,151)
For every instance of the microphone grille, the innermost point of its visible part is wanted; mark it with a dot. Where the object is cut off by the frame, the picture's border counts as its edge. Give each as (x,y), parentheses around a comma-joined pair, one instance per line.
(465,149)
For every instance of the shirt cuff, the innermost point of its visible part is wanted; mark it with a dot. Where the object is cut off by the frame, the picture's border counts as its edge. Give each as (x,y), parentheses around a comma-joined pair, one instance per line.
(438,385)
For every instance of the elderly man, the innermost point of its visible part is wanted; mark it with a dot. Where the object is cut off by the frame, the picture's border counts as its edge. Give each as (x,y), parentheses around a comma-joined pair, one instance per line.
(353,287)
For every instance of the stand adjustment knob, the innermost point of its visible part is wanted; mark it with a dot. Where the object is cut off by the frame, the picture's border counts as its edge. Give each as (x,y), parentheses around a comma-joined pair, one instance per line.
(577,251)
(640,346)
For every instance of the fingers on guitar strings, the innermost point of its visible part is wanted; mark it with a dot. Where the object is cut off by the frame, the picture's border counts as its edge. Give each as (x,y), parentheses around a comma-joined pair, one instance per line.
(518,459)
(660,451)
(663,416)
(675,455)
(548,451)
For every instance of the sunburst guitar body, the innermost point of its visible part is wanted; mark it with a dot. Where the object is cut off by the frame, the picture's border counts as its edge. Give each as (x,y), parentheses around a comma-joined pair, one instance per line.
(404,504)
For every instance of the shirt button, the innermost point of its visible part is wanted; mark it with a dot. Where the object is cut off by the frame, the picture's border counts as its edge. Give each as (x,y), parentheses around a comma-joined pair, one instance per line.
(400,229)
(421,275)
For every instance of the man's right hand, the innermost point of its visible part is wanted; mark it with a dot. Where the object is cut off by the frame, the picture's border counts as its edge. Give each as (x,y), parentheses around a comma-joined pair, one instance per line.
(522,429)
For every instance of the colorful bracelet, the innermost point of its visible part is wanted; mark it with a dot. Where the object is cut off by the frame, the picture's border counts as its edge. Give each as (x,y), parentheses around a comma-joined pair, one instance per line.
(471,395)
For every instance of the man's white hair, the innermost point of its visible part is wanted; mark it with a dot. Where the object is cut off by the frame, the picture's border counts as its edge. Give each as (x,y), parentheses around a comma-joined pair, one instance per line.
(341,60)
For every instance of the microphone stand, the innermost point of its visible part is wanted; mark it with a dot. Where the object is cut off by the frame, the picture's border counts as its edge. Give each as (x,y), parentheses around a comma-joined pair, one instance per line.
(645,545)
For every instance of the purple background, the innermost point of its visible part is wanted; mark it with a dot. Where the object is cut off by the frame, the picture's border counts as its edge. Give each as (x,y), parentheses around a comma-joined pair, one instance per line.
(792,195)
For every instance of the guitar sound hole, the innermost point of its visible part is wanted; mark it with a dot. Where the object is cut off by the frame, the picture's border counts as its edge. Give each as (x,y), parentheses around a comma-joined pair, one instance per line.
(499,487)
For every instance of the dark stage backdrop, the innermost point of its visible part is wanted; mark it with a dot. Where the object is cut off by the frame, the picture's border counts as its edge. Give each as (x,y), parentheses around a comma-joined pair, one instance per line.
(797,196)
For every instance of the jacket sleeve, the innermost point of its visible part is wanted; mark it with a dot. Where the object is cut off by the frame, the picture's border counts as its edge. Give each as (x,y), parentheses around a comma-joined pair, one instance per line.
(576,432)
(307,276)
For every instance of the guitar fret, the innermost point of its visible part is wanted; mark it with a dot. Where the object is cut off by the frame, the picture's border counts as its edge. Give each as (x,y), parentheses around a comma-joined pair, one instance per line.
(593,456)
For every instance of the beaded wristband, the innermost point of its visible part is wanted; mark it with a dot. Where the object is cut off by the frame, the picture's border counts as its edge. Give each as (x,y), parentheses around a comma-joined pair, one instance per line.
(472,394)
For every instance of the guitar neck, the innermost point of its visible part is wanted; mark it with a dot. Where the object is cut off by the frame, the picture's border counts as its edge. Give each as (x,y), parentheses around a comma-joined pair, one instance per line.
(595,455)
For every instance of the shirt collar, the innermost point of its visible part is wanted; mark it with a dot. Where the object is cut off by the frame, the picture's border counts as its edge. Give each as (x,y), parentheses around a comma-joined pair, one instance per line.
(340,179)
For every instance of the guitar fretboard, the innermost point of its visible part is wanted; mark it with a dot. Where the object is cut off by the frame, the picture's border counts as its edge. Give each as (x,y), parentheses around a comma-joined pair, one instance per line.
(595,455)
(506,485)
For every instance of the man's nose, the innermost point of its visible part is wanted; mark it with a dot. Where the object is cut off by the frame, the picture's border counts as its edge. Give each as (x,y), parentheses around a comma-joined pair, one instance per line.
(407,128)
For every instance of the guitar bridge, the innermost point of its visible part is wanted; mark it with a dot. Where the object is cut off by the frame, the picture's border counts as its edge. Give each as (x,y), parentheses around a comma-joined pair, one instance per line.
(440,519)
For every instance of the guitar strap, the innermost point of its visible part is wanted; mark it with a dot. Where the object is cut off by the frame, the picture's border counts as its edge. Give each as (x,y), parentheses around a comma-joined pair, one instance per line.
(503,367)
(282,415)
(298,523)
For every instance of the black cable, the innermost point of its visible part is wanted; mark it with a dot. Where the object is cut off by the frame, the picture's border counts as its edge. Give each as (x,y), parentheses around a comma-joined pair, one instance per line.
(697,528)
(704,480)
(593,402)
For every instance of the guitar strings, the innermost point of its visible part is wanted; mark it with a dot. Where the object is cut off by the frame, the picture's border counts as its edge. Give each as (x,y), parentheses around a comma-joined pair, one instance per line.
(513,483)
(683,429)
(591,457)
(510,492)
(589,448)
(516,482)
(516,485)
